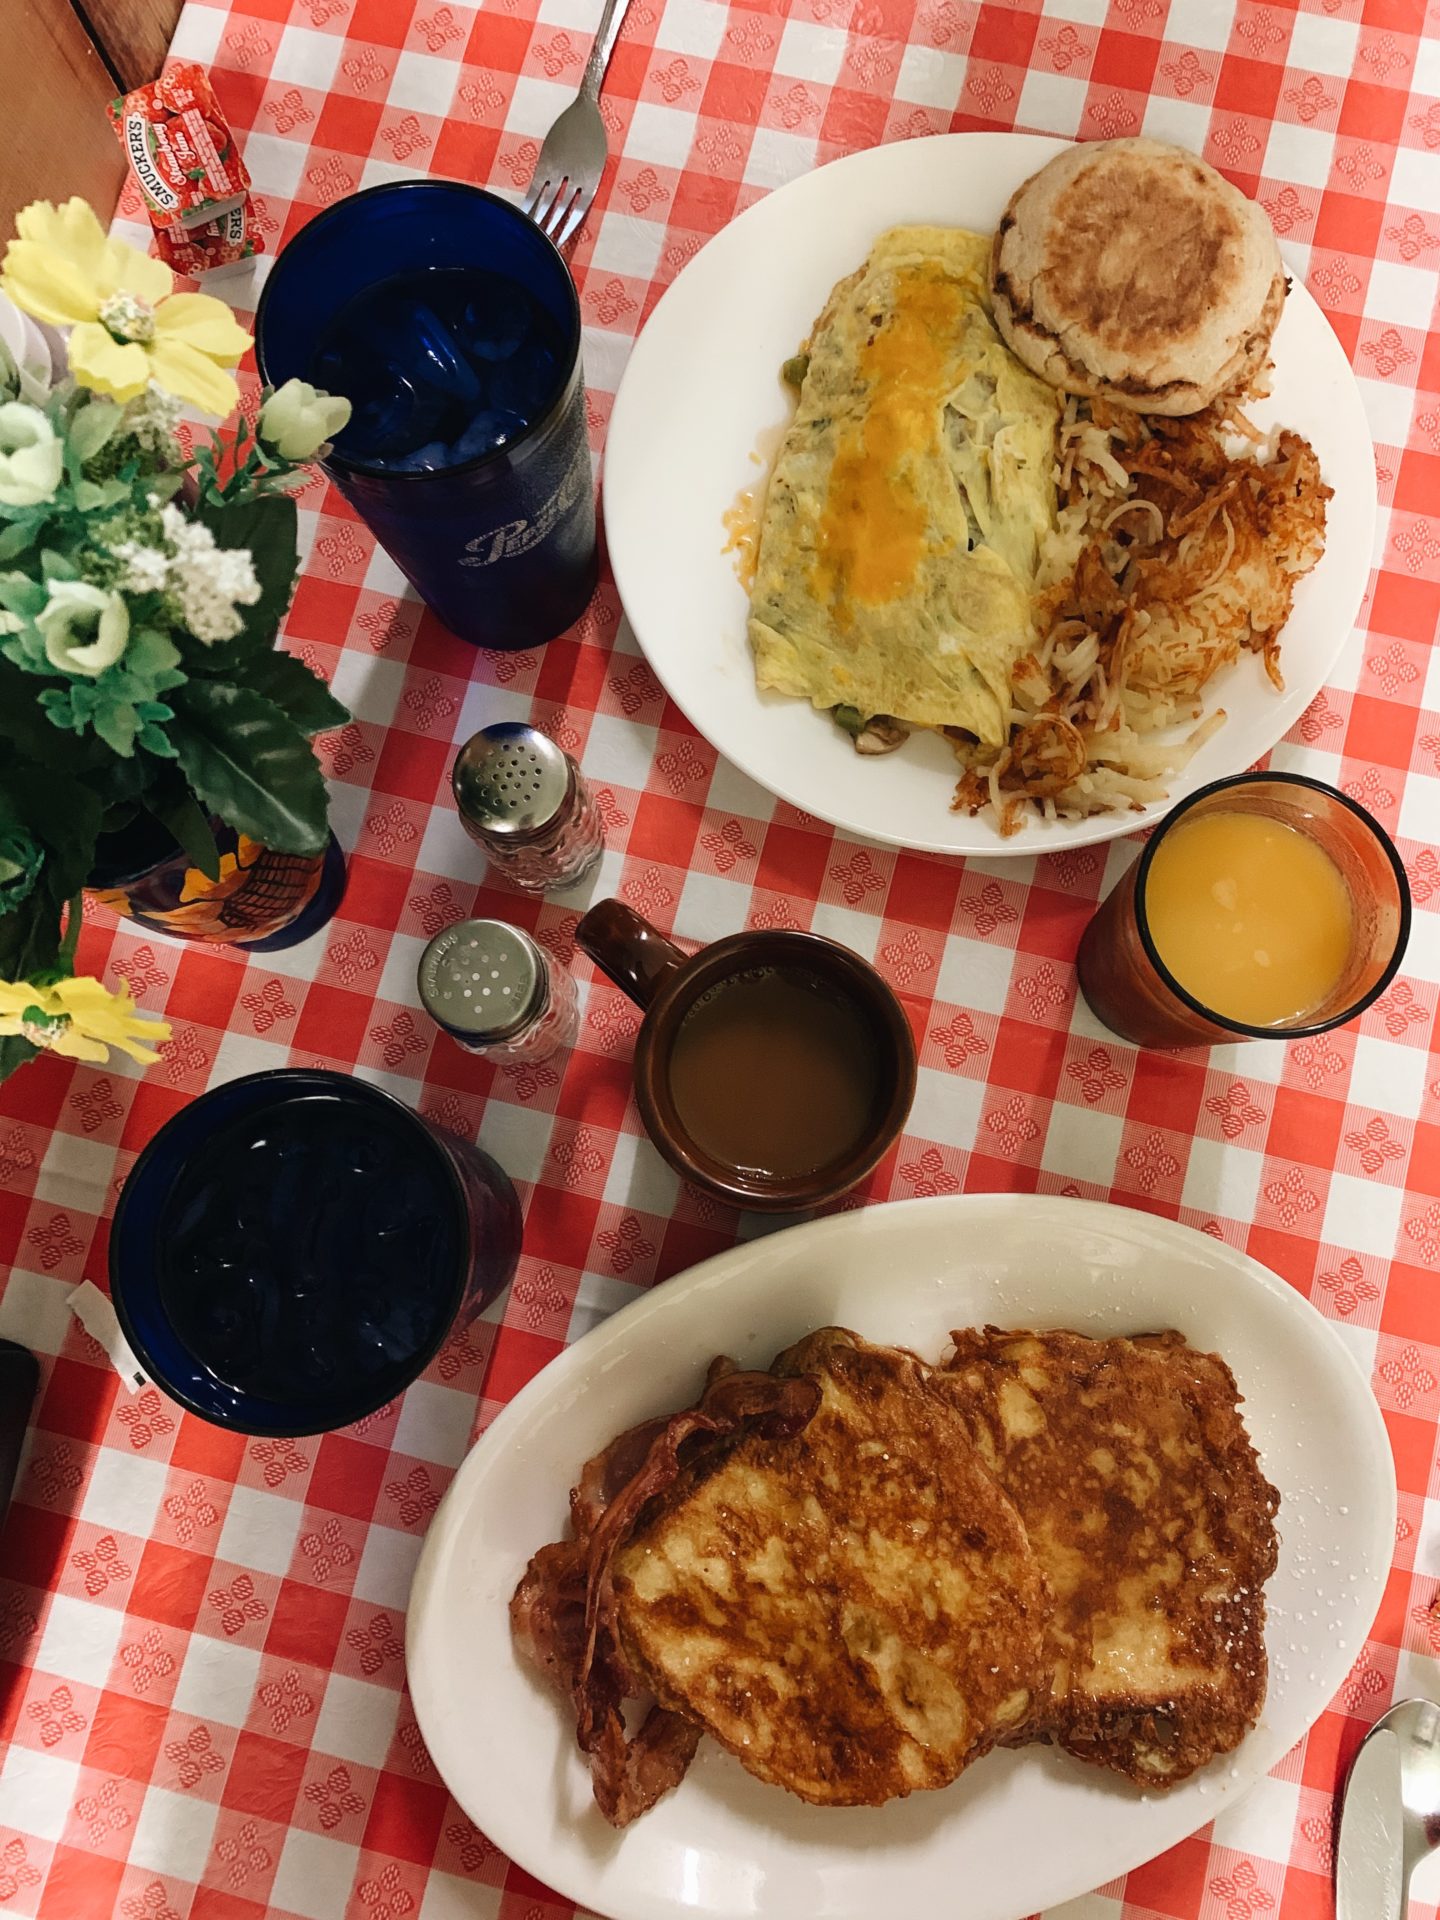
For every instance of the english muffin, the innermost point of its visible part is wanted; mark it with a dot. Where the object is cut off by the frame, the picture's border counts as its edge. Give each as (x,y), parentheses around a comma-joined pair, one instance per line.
(1130,271)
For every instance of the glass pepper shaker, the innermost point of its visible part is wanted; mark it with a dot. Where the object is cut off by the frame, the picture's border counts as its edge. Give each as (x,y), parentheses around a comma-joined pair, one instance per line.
(524,800)
(494,991)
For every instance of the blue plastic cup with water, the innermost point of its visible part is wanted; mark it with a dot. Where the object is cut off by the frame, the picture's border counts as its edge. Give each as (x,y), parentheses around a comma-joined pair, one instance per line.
(291,1249)
(452,325)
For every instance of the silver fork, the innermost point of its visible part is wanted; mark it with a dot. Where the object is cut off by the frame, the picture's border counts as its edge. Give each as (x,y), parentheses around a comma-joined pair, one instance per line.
(567,174)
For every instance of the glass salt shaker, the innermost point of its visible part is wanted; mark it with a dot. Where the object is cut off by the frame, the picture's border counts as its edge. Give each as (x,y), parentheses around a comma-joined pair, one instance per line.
(494,991)
(525,802)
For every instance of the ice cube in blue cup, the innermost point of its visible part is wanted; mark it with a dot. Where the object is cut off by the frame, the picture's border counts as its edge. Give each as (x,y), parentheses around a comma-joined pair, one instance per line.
(291,1249)
(450,292)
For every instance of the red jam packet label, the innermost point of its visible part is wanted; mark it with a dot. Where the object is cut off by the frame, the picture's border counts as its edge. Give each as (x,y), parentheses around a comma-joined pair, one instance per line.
(218,243)
(180,149)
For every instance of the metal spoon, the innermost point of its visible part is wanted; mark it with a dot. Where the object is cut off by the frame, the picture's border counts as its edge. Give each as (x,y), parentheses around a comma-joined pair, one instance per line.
(1416,1725)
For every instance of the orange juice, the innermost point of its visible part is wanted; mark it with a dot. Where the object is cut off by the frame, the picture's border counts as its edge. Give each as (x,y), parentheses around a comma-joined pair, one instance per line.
(1251,916)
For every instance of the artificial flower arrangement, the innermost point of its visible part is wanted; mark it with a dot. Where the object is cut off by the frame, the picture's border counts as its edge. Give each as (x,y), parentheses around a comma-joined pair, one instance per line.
(141,588)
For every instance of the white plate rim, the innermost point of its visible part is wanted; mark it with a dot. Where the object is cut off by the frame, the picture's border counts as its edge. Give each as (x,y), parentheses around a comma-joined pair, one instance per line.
(1336,595)
(623,1334)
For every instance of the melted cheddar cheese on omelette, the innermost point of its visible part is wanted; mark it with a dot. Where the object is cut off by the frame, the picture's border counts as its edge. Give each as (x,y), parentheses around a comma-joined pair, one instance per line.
(909,499)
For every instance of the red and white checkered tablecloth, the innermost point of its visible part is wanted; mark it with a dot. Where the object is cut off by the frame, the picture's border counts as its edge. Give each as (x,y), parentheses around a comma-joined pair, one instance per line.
(204,1696)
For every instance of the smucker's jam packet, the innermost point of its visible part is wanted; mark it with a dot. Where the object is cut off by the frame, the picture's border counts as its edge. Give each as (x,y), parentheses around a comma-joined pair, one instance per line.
(180,148)
(219,243)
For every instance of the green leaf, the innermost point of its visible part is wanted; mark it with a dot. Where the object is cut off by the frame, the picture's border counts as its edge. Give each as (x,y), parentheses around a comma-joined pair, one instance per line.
(117,726)
(125,780)
(62,813)
(117,818)
(122,704)
(190,825)
(57,705)
(18,537)
(30,937)
(92,426)
(70,939)
(290,685)
(26,649)
(93,495)
(153,657)
(267,527)
(21,595)
(21,859)
(151,737)
(15,1051)
(55,565)
(251,765)
(26,728)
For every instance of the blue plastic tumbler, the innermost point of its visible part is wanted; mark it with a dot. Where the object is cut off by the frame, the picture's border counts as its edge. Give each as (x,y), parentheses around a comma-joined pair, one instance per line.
(291,1249)
(452,325)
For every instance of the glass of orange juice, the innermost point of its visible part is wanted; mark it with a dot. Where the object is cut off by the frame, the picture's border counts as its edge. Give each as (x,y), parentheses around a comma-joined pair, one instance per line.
(1264,907)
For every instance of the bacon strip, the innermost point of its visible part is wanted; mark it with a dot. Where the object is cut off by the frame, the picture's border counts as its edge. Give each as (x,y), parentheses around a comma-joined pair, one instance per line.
(563,1612)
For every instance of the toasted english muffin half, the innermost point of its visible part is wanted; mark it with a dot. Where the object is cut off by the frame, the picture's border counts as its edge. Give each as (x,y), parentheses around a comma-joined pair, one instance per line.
(1130,271)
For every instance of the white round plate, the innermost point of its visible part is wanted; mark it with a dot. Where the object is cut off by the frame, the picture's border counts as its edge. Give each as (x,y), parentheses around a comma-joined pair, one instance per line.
(1020,1831)
(702,391)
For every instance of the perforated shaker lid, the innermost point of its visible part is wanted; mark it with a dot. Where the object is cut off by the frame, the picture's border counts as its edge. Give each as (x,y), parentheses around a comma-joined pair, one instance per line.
(483,980)
(510,780)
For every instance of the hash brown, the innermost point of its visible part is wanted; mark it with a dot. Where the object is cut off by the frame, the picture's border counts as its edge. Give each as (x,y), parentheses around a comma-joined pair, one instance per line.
(853,1610)
(1144,1501)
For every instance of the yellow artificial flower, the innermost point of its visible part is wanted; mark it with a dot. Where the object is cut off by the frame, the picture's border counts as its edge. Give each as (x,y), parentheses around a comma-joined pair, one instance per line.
(127,325)
(80,1019)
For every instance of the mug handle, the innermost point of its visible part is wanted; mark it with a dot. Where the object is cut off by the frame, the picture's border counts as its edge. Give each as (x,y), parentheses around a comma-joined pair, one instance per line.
(636,956)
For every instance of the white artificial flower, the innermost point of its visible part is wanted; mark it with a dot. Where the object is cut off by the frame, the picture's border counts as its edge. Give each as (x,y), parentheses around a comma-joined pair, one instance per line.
(151,419)
(84,628)
(146,568)
(208,582)
(210,590)
(175,523)
(298,420)
(32,458)
(187,537)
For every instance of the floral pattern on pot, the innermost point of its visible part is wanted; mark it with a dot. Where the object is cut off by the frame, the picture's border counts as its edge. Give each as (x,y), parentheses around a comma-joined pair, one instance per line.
(259,893)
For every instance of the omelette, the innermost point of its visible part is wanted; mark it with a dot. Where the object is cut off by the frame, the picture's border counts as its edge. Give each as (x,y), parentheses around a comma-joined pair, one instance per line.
(909,499)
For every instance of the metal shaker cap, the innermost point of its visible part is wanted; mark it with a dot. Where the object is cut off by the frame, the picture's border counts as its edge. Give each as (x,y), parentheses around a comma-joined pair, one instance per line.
(510,781)
(483,981)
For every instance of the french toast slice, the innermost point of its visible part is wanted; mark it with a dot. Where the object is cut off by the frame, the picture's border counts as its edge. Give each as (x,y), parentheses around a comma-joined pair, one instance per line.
(853,1609)
(1144,1501)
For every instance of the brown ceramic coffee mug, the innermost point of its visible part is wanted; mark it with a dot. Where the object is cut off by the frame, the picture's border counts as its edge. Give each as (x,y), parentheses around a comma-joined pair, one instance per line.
(772,1069)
